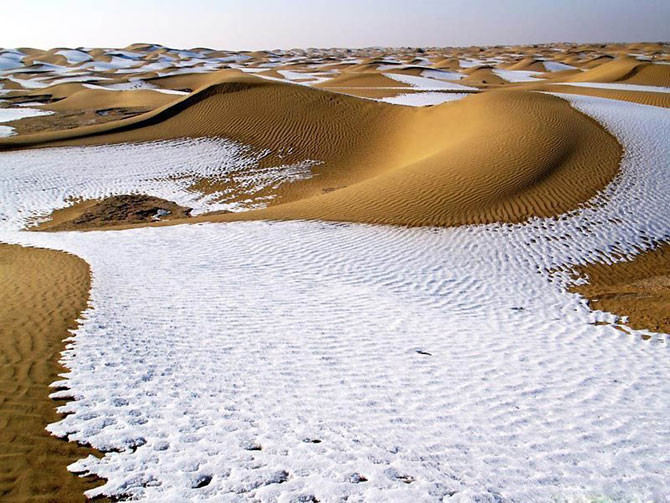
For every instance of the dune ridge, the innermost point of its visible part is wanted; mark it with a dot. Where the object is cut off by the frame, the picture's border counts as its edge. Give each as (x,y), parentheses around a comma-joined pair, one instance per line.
(389,164)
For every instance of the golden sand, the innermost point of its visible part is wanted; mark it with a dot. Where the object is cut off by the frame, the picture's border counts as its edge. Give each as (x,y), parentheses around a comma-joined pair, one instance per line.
(639,289)
(43,292)
(495,156)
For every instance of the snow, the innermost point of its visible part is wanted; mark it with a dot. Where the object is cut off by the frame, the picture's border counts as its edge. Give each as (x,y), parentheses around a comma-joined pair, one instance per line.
(306,77)
(233,58)
(619,87)
(171,91)
(518,75)
(166,169)
(28,84)
(9,63)
(280,361)
(74,56)
(427,84)
(151,67)
(14,114)
(422,99)
(442,74)
(124,54)
(469,63)
(116,63)
(30,104)
(555,66)
(6,131)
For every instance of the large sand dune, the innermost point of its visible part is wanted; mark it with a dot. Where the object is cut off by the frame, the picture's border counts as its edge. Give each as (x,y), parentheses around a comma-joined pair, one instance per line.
(389,164)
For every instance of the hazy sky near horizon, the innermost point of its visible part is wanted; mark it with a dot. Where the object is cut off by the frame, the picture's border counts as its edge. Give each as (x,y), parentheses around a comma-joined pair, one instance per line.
(271,24)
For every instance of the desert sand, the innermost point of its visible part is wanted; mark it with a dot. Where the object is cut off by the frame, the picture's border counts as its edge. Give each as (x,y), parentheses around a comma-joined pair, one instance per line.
(43,293)
(638,289)
(502,141)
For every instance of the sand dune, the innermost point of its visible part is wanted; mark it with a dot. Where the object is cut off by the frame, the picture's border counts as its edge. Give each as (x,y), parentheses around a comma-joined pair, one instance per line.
(528,64)
(443,175)
(480,76)
(102,99)
(362,79)
(638,288)
(43,292)
(629,70)
(478,316)
(387,164)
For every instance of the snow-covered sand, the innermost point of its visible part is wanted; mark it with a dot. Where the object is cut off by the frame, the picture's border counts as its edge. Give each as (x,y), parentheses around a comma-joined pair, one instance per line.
(423,99)
(291,360)
(518,75)
(428,84)
(14,114)
(166,169)
(556,66)
(75,56)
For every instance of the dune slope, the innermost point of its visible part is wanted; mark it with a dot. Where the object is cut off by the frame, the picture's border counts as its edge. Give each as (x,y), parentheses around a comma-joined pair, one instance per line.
(43,292)
(638,289)
(498,156)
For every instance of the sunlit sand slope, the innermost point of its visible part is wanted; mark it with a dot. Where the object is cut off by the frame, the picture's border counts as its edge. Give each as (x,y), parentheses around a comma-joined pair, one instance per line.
(42,294)
(491,157)
(637,288)
(498,156)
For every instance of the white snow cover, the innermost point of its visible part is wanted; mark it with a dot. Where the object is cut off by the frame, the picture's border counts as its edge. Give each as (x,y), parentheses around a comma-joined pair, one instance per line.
(115,64)
(517,75)
(306,77)
(556,66)
(9,63)
(619,87)
(427,83)
(166,169)
(469,63)
(422,99)
(124,54)
(285,361)
(442,74)
(6,131)
(75,56)
(151,67)
(233,58)
(14,114)
(27,83)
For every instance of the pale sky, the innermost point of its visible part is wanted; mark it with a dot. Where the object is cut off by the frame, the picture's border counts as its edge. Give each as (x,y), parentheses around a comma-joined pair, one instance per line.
(272,24)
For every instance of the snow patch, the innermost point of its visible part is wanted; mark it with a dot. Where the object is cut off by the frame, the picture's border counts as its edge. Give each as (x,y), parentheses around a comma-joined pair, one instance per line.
(15,114)
(166,169)
(428,84)
(518,75)
(422,99)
